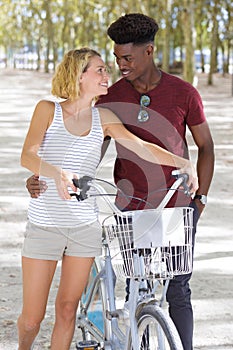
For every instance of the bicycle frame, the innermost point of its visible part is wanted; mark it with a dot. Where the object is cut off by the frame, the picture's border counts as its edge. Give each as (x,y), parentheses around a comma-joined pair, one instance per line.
(115,339)
(82,318)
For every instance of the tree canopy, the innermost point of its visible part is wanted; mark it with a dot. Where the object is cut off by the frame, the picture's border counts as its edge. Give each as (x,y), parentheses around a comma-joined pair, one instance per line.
(193,34)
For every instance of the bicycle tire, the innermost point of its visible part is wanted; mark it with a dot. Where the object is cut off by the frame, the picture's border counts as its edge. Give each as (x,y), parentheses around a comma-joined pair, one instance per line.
(156,330)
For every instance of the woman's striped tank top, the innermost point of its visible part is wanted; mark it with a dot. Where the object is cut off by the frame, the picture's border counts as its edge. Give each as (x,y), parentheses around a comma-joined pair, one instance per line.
(78,154)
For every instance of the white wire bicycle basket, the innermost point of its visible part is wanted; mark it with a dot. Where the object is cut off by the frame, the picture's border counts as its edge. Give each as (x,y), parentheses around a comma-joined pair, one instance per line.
(150,243)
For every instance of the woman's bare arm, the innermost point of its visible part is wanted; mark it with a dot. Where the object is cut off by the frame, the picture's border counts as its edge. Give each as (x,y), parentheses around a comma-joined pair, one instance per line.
(41,120)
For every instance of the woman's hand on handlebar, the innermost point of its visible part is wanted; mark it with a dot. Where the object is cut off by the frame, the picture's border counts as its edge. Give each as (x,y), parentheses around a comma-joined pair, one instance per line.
(192,181)
(63,181)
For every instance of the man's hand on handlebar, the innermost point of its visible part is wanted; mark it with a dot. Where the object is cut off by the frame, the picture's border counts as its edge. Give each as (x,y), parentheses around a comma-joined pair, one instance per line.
(35,187)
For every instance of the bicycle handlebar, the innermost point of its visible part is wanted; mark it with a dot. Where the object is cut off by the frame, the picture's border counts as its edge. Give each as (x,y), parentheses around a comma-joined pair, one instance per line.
(84,184)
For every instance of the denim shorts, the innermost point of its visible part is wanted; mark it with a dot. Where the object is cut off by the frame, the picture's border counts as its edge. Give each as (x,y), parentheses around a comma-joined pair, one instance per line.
(51,243)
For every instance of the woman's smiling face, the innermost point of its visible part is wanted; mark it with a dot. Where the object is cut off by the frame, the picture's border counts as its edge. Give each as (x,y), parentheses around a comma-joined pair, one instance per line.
(95,79)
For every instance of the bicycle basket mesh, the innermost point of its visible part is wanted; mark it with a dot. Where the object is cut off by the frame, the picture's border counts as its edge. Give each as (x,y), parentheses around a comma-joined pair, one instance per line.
(149,244)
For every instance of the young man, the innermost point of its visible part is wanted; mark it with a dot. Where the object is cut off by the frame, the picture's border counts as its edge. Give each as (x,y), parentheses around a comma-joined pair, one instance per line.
(157,107)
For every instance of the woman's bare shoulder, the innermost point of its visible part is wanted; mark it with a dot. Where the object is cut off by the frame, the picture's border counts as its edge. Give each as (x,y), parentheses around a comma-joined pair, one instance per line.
(45,104)
(45,108)
(44,112)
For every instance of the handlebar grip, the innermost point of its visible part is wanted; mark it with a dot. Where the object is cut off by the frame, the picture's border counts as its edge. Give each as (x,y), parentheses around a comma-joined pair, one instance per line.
(82,184)
(184,176)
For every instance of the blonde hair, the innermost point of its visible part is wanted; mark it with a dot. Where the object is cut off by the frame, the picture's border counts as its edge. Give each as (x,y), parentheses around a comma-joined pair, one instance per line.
(65,82)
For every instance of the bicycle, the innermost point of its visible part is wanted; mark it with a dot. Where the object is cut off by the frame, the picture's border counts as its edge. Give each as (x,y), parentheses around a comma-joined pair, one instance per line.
(131,251)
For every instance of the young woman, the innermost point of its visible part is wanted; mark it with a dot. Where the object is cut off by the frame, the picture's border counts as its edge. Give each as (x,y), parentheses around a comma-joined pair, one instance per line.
(64,141)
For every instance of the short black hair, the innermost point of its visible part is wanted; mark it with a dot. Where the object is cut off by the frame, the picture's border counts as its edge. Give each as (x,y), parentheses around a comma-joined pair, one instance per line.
(133,28)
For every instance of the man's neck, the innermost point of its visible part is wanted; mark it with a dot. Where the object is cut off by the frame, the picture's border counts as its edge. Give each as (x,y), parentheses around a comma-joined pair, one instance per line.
(147,82)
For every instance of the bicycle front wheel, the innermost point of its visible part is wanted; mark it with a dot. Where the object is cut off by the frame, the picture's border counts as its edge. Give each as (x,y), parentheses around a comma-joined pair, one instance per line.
(156,330)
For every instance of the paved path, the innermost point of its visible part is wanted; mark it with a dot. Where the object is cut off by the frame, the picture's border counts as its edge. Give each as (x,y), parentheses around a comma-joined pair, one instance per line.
(212,282)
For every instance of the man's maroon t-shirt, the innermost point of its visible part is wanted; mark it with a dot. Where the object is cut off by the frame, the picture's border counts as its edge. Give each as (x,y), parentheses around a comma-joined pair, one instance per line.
(174,104)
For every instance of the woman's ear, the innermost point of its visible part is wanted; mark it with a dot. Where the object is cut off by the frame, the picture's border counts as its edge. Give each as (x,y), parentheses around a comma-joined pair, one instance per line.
(82,76)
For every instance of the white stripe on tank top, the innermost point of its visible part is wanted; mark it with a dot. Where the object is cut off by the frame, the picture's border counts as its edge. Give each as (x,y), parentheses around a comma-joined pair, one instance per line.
(77,154)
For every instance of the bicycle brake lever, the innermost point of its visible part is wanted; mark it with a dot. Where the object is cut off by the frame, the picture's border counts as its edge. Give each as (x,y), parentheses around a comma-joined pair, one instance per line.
(78,196)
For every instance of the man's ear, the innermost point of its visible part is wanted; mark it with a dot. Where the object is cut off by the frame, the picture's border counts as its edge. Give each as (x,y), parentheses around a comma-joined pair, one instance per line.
(150,49)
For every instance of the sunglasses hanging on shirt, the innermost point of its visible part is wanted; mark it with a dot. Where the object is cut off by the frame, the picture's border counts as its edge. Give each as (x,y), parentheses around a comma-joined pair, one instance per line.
(143,114)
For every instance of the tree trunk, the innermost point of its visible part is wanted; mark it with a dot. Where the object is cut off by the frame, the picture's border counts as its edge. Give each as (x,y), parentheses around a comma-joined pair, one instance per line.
(214,45)
(188,28)
(49,25)
(166,38)
(38,48)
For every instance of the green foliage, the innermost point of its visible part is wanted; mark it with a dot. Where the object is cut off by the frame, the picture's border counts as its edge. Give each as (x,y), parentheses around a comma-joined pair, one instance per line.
(49,28)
